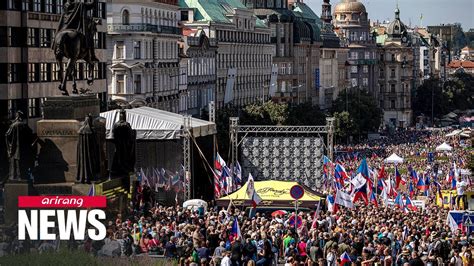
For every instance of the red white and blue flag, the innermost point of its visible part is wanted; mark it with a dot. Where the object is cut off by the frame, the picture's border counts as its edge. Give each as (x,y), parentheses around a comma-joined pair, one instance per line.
(398,179)
(345,258)
(373,199)
(399,201)
(363,169)
(252,193)
(235,231)
(361,193)
(409,204)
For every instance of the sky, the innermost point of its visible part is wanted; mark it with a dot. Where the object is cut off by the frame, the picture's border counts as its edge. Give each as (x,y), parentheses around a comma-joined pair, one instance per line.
(434,12)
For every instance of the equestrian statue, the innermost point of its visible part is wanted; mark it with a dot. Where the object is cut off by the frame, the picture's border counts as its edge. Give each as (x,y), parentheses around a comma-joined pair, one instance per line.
(74,39)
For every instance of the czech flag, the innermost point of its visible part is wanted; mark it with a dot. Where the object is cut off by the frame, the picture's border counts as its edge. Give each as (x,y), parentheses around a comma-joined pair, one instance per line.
(399,201)
(331,203)
(363,169)
(414,175)
(409,204)
(411,190)
(326,164)
(219,163)
(373,199)
(421,183)
(345,259)
(361,193)
(235,231)
(450,176)
(399,179)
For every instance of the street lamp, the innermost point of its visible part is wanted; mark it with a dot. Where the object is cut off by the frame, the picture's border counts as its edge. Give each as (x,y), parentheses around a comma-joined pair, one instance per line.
(297,91)
(263,91)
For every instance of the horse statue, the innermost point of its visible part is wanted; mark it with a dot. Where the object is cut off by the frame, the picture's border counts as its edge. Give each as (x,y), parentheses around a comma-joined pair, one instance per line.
(74,40)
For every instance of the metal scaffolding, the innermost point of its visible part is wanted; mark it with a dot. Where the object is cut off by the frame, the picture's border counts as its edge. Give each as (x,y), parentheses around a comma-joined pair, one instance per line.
(235,129)
(187,157)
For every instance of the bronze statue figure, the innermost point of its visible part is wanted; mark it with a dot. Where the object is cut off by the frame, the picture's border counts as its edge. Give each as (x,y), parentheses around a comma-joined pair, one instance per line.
(74,39)
(19,138)
(124,140)
(88,165)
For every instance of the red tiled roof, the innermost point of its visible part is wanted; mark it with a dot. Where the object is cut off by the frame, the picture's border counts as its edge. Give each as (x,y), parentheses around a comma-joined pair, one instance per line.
(459,63)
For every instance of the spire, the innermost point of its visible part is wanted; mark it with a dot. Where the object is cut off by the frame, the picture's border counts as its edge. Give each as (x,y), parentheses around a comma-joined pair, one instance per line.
(397,12)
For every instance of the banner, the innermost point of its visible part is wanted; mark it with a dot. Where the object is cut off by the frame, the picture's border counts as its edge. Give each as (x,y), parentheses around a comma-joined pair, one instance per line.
(229,88)
(273,80)
(344,199)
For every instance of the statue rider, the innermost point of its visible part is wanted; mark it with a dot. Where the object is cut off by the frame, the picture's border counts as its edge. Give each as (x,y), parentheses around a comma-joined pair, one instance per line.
(75,17)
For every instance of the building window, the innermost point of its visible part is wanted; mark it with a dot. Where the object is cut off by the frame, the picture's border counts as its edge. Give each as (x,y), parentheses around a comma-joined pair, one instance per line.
(32,37)
(37,5)
(44,72)
(48,6)
(392,104)
(366,69)
(392,73)
(283,69)
(365,82)
(184,15)
(354,82)
(13,73)
(119,50)
(54,72)
(59,6)
(282,50)
(32,72)
(125,17)
(381,88)
(138,84)
(392,88)
(353,69)
(381,104)
(354,55)
(120,84)
(34,109)
(45,37)
(367,55)
(393,57)
(137,50)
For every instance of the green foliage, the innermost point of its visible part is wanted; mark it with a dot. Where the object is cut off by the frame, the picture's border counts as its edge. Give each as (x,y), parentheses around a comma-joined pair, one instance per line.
(456,93)
(363,113)
(305,114)
(344,125)
(268,113)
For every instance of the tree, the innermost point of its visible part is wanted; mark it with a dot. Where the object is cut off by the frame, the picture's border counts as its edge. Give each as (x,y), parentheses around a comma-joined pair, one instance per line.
(344,126)
(456,93)
(305,114)
(268,113)
(363,112)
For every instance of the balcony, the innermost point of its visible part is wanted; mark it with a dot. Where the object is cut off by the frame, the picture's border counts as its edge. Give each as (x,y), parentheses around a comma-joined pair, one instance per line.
(141,27)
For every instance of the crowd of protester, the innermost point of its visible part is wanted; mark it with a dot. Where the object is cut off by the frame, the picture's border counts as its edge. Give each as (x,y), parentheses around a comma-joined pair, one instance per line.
(364,235)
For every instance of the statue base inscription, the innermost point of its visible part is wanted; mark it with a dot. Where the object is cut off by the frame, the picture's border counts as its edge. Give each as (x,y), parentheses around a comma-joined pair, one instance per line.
(57,151)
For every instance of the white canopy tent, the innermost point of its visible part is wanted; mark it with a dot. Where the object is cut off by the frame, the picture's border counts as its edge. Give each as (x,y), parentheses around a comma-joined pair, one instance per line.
(155,124)
(394,158)
(444,147)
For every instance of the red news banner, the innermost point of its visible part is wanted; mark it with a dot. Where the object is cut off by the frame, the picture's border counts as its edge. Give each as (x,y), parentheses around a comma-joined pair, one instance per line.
(73,216)
(57,202)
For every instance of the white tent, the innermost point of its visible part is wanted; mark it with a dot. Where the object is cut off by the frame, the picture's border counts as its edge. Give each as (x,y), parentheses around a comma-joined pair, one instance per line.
(444,147)
(151,123)
(394,158)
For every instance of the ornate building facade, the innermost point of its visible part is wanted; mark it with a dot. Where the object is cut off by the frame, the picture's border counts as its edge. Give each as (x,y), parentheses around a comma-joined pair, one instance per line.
(396,80)
(352,25)
(144,63)
(332,61)
(244,52)
(199,52)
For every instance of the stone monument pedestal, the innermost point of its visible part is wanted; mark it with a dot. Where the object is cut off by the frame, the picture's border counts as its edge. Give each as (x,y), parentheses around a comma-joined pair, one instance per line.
(14,189)
(58,136)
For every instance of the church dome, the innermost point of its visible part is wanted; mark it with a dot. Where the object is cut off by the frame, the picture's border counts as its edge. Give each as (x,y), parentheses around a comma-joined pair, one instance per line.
(396,28)
(349,6)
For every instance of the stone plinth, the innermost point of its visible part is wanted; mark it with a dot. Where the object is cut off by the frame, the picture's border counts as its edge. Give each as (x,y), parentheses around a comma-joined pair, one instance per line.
(58,137)
(11,192)
(71,107)
(57,151)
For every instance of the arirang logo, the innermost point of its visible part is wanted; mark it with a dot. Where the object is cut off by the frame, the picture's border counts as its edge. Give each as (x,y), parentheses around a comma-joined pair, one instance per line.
(38,215)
